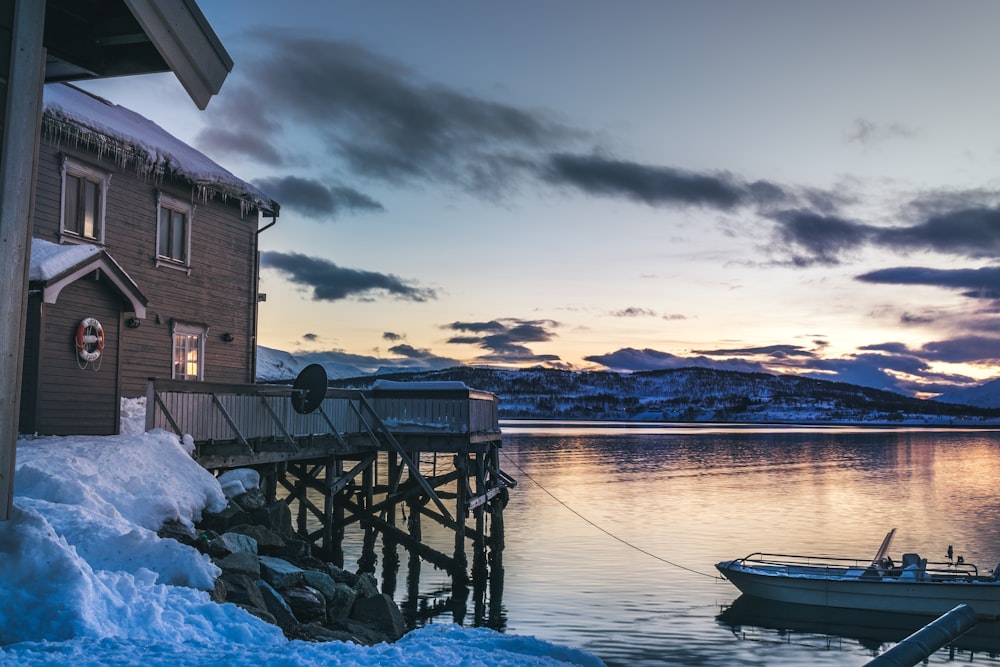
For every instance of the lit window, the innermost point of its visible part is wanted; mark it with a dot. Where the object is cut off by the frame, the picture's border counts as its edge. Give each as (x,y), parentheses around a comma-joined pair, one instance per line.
(84,190)
(188,352)
(173,231)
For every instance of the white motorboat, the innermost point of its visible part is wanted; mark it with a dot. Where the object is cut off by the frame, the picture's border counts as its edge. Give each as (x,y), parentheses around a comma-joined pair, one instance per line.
(913,586)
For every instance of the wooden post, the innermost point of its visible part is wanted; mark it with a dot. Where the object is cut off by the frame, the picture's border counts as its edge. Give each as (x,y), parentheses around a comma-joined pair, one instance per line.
(390,553)
(21,85)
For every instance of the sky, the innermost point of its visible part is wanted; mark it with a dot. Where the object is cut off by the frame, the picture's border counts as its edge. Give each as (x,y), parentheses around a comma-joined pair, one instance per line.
(780,186)
(88,582)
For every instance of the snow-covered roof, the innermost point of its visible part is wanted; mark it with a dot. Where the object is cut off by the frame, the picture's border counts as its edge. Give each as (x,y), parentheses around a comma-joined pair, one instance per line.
(72,115)
(54,266)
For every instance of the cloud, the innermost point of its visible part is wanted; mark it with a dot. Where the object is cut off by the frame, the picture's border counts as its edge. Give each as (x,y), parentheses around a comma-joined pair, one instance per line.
(654,185)
(774,351)
(866,132)
(631,359)
(969,232)
(311,337)
(330,282)
(823,237)
(314,199)
(963,349)
(373,115)
(981,283)
(506,340)
(390,336)
(632,311)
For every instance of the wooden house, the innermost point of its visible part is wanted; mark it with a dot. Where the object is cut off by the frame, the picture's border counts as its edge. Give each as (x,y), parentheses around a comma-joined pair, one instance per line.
(144,264)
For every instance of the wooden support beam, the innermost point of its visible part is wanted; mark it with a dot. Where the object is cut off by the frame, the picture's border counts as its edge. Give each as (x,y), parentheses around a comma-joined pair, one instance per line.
(437,558)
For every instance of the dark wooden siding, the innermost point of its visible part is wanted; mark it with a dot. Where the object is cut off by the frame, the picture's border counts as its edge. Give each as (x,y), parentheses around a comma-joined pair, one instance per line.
(73,398)
(29,377)
(218,292)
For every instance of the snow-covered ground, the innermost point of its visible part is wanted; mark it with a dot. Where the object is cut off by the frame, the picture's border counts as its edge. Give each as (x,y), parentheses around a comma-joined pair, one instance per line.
(85,580)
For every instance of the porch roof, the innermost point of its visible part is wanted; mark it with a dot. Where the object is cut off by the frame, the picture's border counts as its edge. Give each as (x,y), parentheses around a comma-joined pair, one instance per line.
(54,266)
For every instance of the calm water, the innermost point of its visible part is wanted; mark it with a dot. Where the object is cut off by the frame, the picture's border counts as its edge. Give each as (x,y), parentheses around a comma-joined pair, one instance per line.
(697,495)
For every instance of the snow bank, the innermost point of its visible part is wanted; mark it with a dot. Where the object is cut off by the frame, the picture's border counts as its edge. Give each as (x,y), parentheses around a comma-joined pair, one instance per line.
(87,581)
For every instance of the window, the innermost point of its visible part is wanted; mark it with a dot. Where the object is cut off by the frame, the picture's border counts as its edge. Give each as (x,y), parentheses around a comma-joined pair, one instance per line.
(189,351)
(173,231)
(83,196)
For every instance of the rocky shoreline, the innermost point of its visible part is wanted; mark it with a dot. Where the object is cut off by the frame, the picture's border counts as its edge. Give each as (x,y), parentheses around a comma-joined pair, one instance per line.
(270,572)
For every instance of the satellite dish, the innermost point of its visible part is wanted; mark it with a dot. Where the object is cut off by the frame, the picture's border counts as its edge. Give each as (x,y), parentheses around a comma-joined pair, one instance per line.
(309,389)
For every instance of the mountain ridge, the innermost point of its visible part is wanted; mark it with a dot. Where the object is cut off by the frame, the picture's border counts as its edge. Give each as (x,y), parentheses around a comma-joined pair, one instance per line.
(689,395)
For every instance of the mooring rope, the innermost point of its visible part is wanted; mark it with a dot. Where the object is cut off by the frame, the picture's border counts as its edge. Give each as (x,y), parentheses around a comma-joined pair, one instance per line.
(601,528)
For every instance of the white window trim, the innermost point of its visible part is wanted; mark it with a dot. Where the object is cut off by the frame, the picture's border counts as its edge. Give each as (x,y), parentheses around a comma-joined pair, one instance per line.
(188,330)
(164,200)
(81,170)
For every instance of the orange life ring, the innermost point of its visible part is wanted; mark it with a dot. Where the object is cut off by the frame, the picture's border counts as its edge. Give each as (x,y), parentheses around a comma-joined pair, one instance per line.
(89,339)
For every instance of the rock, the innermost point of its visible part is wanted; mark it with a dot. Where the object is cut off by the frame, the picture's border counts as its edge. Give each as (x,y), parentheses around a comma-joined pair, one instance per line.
(366,586)
(276,517)
(290,550)
(218,592)
(234,543)
(259,613)
(314,632)
(222,521)
(251,500)
(381,613)
(307,603)
(240,563)
(280,573)
(177,531)
(276,605)
(339,606)
(266,539)
(340,575)
(363,634)
(243,590)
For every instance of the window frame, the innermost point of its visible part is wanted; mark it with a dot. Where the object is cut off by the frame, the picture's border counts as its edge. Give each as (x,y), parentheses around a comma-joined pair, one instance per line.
(187,330)
(84,172)
(168,202)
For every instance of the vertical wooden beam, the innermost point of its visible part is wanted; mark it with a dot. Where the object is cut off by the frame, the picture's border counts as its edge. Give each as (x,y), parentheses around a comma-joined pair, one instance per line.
(22,97)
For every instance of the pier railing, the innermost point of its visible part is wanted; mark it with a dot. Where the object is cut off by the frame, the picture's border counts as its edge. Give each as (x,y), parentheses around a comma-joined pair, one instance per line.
(253,414)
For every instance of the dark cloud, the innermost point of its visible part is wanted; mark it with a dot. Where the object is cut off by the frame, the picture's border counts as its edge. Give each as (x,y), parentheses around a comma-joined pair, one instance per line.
(963,349)
(506,340)
(408,351)
(374,115)
(823,237)
(969,232)
(330,282)
(390,336)
(654,185)
(775,351)
(981,283)
(674,316)
(311,337)
(314,199)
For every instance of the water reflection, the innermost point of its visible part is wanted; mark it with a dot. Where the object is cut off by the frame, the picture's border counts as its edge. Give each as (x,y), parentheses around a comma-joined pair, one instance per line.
(750,618)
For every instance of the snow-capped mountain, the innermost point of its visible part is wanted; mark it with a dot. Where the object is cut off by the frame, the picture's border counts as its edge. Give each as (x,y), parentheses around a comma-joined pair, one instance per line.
(278,366)
(690,394)
(984,396)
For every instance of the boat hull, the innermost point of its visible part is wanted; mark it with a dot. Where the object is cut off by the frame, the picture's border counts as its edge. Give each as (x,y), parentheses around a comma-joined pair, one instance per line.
(885,594)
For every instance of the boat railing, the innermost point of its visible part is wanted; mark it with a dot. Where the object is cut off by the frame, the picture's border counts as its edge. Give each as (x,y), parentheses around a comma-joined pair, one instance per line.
(830,565)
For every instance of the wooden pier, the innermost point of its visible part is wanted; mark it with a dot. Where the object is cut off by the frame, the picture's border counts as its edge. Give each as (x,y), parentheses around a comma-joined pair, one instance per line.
(363,458)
